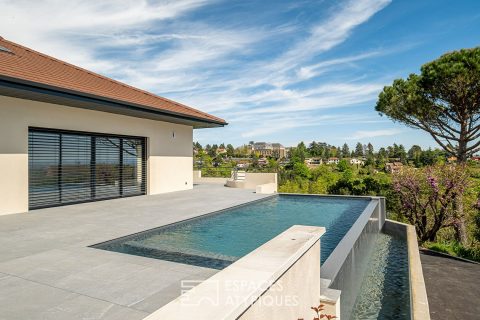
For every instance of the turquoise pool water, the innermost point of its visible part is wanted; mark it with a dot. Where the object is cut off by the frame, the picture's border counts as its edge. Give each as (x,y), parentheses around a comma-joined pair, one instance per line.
(385,292)
(217,240)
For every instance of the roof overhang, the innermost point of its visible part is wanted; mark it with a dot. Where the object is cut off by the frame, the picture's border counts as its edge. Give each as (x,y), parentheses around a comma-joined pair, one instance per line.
(39,92)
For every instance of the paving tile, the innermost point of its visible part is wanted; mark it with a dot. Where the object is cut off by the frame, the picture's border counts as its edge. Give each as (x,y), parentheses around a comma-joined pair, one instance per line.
(47,270)
(23,299)
(174,290)
(86,308)
(123,284)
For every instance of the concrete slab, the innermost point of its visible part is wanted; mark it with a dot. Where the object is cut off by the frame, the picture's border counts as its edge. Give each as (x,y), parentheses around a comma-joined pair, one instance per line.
(47,270)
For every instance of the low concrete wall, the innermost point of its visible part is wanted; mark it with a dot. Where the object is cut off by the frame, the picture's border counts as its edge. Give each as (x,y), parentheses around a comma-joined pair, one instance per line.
(253,179)
(418,292)
(197,178)
(279,280)
(267,188)
(266,181)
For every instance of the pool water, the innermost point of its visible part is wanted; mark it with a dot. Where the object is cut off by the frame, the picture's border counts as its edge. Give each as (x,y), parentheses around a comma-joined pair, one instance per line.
(384,293)
(217,240)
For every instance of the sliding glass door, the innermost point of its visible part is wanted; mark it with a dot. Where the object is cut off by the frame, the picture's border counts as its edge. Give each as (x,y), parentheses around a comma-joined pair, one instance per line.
(70,167)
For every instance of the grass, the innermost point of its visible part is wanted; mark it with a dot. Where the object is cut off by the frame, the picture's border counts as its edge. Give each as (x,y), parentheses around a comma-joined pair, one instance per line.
(455,249)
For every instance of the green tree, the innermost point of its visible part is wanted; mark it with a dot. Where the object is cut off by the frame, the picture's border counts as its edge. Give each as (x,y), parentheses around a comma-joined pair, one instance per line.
(370,150)
(298,154)
(345,151)
(230,150)
(301,170)
(359,150)
(342,165)
(402,154)
(443,101)
(314,149)
(414,154)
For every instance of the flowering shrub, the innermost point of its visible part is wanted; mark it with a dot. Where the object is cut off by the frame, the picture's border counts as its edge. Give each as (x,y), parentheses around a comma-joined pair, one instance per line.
(428,197)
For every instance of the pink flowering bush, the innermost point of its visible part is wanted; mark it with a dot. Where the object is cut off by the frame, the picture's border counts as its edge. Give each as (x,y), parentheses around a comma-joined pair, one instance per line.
(428,197)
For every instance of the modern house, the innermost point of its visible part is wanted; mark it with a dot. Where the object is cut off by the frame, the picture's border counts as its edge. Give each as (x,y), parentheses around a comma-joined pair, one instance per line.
(313,162)
(68,135)
(355,161)
(333,160)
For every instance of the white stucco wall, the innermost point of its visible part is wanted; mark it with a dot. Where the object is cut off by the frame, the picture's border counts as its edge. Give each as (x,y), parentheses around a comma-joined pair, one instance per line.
(169,159)
(279,280)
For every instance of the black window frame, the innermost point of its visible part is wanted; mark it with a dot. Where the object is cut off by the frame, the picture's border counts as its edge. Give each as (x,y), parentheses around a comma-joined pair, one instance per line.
(93,167)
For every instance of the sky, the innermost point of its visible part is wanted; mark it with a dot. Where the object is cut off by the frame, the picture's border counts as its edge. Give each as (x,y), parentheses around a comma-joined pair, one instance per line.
(276,71)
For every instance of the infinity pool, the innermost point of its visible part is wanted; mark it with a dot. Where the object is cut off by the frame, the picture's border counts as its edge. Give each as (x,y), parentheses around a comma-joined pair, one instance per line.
(217,240)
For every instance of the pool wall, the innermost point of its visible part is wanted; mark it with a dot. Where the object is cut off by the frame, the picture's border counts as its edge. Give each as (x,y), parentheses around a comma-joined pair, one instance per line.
(343,271)
(419,309)
(279,280)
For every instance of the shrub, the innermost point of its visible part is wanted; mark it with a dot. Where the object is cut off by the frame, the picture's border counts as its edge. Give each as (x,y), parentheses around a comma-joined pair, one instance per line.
(427,197)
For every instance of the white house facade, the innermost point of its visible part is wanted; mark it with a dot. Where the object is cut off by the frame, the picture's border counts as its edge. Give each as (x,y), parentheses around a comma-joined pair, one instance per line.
(68,135)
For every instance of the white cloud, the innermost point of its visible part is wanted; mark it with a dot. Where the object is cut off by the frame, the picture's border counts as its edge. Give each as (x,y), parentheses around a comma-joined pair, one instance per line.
(225,67)
(76,30)
(373,134)
(330,33)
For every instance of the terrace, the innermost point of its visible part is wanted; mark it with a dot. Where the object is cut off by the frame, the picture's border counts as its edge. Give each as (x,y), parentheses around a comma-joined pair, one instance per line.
(49,270)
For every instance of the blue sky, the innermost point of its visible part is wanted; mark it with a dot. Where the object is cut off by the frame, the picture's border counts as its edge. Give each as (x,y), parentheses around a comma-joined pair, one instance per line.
(279,71)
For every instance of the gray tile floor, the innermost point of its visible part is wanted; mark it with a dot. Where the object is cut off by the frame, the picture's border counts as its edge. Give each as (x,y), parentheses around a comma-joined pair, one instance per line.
(47,270)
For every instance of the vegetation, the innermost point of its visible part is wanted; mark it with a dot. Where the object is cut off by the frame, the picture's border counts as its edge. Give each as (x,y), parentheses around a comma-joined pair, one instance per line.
(427,197)
(444,100)
(319,315)
(422,193)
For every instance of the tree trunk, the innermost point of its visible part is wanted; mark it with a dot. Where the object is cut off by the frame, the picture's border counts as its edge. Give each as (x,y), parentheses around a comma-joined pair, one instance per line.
(459,224)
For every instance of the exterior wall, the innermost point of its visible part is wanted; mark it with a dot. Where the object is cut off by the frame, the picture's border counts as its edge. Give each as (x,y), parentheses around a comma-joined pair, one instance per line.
(169,158)
(344,268)
(293,294)
(253,179)
(418,292)
(197,178)
(267,188)
(279,280)
(266,181)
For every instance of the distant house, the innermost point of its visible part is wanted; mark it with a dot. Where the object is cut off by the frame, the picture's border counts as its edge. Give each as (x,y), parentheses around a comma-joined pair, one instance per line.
(221,150)
(267,149)
(475,158)
(357,161)
(333,160)
(392,167)
(313,162)
(262,161)
(451,159)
